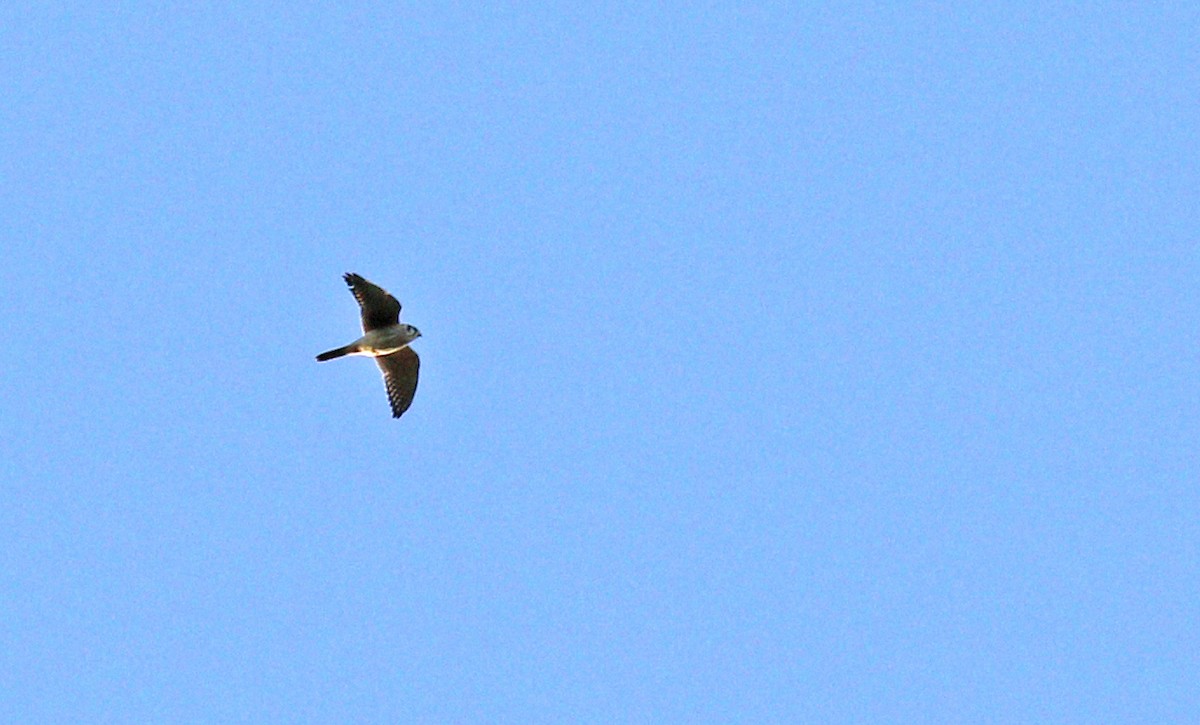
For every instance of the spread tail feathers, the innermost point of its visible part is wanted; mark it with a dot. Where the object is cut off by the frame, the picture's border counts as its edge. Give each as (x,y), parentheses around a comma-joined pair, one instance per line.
(331,354)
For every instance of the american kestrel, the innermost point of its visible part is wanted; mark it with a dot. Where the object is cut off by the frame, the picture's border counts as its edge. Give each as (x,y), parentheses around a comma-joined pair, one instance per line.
(386,339)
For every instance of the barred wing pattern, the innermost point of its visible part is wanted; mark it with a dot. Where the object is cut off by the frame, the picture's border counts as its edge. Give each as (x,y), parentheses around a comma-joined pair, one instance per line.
(400,376)
(379,309)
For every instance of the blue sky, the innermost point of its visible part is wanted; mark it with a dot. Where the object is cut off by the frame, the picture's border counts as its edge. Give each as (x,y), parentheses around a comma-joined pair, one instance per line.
(781,363)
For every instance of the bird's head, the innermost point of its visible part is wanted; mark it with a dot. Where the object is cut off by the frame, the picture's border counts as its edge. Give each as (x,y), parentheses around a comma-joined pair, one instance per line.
(412,332)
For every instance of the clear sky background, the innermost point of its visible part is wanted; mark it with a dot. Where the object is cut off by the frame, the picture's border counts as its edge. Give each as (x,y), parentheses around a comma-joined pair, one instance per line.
(782,362)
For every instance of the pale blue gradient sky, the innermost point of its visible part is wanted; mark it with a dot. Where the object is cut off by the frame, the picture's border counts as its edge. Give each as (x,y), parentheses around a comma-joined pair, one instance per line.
(782,363)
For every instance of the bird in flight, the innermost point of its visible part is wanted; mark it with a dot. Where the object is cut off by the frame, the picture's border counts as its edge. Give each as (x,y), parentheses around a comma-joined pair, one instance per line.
(386,339)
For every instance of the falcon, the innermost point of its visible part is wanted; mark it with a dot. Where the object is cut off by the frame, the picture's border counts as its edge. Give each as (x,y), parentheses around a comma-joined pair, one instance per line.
(384,338)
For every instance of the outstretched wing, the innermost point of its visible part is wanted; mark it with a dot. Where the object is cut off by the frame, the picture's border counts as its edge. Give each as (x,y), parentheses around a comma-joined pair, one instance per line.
(400,377)
(379,309)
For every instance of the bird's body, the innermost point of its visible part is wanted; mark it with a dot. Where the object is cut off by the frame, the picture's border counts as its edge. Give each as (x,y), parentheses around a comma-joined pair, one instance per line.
(376,343)
(386,339)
